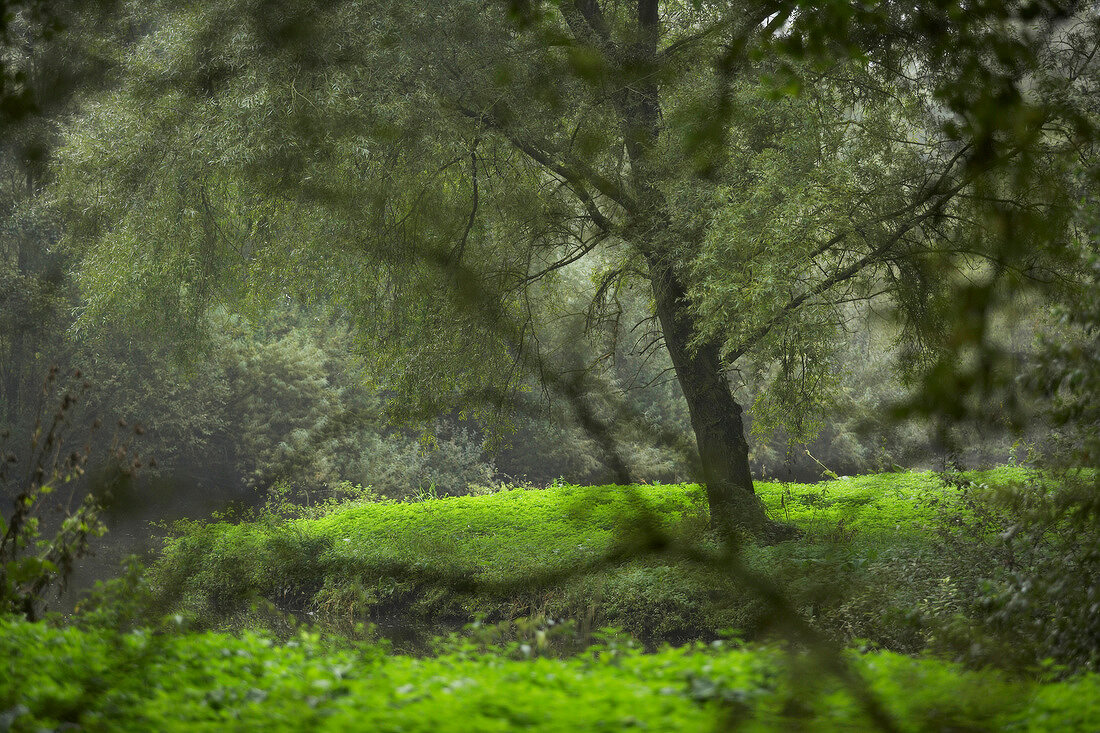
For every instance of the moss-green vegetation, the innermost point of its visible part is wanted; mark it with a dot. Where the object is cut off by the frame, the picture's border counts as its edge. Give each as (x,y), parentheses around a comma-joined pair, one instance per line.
(141,681)
(880,557)
(895,559)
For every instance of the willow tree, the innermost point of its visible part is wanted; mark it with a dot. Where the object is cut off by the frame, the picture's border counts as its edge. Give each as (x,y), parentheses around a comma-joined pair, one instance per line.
(432,168)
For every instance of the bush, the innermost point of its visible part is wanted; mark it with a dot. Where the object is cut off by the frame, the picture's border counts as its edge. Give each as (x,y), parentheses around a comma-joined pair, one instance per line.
(403,467)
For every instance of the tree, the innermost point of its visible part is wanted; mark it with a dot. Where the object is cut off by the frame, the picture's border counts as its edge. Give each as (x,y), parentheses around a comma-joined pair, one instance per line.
(434,169)
(43,65)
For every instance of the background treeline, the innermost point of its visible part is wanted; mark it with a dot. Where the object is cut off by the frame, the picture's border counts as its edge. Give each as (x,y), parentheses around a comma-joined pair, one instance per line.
(286,395)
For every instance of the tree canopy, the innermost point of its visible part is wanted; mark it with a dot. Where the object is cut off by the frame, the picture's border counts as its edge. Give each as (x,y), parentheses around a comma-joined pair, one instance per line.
(755,169)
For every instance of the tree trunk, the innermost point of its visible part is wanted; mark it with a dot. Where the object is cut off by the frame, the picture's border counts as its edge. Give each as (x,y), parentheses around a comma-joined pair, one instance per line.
(715,415)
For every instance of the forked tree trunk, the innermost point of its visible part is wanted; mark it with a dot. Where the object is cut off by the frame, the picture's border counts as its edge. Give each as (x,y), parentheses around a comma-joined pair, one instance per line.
(715,415)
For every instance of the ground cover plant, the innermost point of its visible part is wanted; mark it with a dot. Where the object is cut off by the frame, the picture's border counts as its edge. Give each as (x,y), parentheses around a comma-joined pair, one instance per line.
(133,659)
(883,558)
(207,681)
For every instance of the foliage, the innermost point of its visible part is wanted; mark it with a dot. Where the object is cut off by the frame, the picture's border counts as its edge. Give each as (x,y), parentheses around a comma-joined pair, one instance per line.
(279,398)
(884,558)
(37,552)
(447,461)
(119,602)
(256,407)
(54,677)
(1046,610)
(702,155)
(45,62)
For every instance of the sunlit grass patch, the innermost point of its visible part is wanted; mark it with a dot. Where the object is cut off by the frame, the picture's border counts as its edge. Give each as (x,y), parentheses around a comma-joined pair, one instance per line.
(869,555)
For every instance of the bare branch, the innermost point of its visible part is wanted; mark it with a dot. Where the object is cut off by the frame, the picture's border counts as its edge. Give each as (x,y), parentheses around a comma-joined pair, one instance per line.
(569,259)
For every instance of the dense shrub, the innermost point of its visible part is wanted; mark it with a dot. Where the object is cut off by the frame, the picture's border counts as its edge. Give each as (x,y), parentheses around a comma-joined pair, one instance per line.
(400,465)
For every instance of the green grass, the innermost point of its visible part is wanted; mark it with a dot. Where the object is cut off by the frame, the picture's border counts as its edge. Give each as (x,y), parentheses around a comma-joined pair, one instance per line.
(139,681)
(881,558)
(874,550)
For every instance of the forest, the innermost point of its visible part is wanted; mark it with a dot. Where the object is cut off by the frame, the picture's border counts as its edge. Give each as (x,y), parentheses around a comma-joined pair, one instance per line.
(557,365)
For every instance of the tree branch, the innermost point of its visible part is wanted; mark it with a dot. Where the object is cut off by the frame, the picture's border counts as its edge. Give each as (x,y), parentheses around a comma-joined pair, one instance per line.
(567,260)
(925,193)
(586,20)
(461,248)
(874,256)
(566,171)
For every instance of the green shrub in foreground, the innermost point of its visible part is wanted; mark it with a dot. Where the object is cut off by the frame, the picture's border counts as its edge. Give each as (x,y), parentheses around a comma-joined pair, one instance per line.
(142,681)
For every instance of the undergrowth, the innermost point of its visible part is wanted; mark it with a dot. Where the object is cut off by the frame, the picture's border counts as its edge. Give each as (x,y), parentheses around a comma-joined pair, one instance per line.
(64,678)
(887,559)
